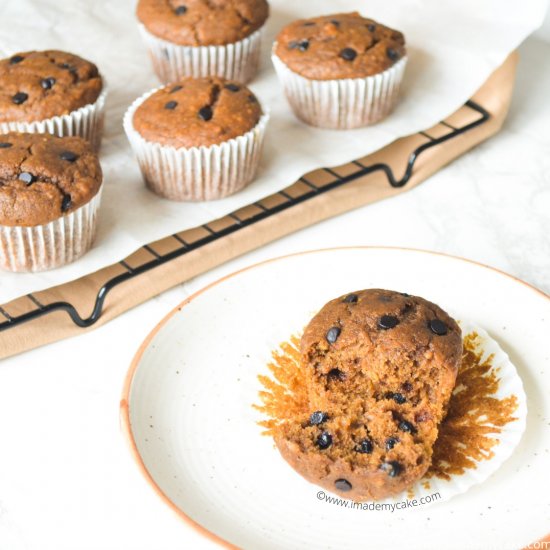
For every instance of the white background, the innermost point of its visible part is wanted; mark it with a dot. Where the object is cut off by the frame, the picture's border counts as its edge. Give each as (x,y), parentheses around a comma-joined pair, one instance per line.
(66,476)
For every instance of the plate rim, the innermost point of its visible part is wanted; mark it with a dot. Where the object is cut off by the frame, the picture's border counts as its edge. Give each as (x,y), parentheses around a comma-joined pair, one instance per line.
(124,412)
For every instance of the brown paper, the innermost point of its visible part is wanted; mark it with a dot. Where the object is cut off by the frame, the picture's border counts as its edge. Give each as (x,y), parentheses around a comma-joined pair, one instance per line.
(494,96)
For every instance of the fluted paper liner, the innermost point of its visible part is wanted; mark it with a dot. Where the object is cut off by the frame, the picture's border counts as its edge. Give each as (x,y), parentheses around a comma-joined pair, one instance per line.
(86,122)
(344,103)
(50,245)
(236,61)
(196,173)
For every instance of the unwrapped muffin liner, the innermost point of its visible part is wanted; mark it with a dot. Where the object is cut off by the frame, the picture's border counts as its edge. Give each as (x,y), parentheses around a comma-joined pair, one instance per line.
(86,122)
(50,245)
(236,61)
(341,103)
(196,173)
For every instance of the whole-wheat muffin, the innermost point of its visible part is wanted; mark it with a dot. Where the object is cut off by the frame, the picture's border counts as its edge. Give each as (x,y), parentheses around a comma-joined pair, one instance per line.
(49,194)
(380,368)
(51,92)
(340,71)
(197,112)
(198,138)
(202,22)
(203,37)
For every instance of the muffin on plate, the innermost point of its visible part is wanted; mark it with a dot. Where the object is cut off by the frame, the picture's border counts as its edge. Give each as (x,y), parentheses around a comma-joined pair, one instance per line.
(340,71)
(50,189)
(203,37)
(380,367)
(198,138)
(51,92)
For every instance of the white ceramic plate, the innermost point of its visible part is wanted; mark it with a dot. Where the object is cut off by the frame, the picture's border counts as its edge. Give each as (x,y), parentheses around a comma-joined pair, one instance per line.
(186,407)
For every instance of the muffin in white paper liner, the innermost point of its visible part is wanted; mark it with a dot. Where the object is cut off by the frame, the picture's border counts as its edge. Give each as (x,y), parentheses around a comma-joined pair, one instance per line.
(196,173)
(52,244)
(341,103)
(508,439)
(235,61)
(85,122)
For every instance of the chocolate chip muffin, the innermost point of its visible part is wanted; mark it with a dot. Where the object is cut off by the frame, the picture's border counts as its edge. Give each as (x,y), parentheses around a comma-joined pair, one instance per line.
(197,139)
(203,37)
(49,194)
(380,369)
(51,92)
(365,60)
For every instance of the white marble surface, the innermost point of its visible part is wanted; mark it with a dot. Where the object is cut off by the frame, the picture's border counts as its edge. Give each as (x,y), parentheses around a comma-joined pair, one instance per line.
(66,478)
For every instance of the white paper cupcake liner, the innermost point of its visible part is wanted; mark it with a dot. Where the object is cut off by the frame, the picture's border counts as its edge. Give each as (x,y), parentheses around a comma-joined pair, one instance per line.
(86,122)
(196,173)
(50,245)
(344,103)
(237,61)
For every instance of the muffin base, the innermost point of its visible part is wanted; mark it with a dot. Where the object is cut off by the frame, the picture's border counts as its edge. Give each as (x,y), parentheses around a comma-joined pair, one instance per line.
(238,61)
(341,104)
(50,245)
(196,173)
(86,122)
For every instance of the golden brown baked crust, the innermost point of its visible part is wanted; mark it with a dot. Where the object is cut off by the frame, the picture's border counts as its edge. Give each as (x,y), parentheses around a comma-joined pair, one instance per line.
(43,177)
(197,111)
(202,22)
(343,45)
(40,85)
(380,368)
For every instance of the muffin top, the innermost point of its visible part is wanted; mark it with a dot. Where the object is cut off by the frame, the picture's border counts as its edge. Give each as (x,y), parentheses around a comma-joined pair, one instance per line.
(43,177)
(197,111)
(344,45)
(40,85)
(202,22)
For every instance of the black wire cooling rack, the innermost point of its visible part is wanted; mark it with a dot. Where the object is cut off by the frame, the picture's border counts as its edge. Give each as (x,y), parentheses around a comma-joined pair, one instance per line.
(334,180)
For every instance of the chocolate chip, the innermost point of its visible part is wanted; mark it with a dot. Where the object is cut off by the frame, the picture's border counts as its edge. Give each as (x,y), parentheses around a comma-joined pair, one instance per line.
(392,468)
(399,398)
(27,178)
(349,54)
(5,145)
(392,54)
(351,299)
(336,374)
(371,27)
(232,87)
(171,105)
(66,203)
(16,59)
(47,83)
(342,485)
(20,97)
(205,113)
(405,294)
(407,386)
(69,156)
(405,426)
(324,441)
(180,10)
(335,22)
(301,45)
(332,334)
(365,447)
(318,417)
(176,89)
(387,322)
(438,327)
(308,24)
(391,442)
